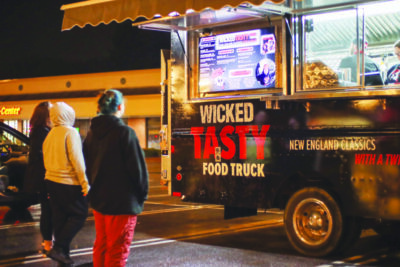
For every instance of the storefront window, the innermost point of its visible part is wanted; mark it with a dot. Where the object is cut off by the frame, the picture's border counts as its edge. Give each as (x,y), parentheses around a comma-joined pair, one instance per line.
(82,126)
(153,133)
(26,127)
(10,138)
(12,123)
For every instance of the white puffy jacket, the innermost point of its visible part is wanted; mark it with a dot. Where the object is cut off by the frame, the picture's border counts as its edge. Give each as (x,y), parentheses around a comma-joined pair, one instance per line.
(62,149)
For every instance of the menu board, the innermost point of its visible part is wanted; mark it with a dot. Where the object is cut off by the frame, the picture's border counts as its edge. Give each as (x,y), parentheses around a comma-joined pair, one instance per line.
(237,61)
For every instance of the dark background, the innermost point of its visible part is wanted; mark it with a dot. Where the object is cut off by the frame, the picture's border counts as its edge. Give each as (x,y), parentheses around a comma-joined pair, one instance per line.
(32,44)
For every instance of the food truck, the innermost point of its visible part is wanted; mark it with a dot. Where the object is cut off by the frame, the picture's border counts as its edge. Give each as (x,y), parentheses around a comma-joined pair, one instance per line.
(279,104)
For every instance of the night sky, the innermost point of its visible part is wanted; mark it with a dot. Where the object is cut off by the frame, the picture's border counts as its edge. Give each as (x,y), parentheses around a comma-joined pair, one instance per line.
(32,44)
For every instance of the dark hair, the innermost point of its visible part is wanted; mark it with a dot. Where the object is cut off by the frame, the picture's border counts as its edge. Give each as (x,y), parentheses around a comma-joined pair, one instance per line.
(362,44)
(360,41)
(397,44)
(40,115)
(109,101)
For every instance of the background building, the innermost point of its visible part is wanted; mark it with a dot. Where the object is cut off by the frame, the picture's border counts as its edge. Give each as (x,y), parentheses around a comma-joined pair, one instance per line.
(141,89)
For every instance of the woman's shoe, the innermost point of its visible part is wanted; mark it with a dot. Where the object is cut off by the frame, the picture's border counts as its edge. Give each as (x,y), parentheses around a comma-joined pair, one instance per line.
(46,247)
(59,255)
(45,252)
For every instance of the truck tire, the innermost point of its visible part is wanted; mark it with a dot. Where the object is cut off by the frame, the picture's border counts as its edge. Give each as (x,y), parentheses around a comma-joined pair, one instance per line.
(313,222)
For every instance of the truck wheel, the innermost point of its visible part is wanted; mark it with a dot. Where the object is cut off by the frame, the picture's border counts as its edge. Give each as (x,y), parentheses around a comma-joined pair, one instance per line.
(313,222)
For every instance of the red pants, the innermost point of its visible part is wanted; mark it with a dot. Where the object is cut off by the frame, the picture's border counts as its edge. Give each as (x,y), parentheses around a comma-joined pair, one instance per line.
(114,234)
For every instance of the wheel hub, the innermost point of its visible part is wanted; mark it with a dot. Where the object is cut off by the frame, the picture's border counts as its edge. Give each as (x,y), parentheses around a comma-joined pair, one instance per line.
(315,221)
(312,221)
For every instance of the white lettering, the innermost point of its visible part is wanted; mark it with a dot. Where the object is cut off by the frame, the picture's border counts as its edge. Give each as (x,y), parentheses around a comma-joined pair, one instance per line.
(229,113)
(226,113)
(221,116)
(215,168)
(247,169)
(205,112)
(248,112)
(239,112)
(260,168)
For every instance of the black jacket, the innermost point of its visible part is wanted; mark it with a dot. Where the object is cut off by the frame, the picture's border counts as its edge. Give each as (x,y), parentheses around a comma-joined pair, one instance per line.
(393,75)
(371,69)
(34,176)
(115,167)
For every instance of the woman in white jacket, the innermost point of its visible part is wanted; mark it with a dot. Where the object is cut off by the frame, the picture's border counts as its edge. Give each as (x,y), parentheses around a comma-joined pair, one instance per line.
(65,179)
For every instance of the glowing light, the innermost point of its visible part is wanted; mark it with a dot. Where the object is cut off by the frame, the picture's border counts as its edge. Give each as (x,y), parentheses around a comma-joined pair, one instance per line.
(9,111)
(176,194)
(174,14)
(381,8)
(389,7)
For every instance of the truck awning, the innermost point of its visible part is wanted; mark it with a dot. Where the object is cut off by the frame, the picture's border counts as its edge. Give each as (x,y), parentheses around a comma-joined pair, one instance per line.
(94,12)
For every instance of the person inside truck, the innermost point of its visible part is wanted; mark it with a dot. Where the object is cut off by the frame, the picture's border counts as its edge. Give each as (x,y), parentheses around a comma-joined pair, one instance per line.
(393,74)
(371,69)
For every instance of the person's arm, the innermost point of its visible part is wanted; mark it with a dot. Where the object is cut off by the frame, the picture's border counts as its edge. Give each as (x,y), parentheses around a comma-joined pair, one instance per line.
(389,72)
(75,155)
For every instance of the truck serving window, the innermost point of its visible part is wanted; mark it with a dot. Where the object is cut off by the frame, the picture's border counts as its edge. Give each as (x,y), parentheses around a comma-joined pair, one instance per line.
(348,49)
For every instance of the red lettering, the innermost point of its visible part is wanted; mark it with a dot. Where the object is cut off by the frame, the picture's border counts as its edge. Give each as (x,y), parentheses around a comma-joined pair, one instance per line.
(372,158)
(260,138)
(228,142)
(241,130)
(359,158)
(196,132)
(393,159)
(211,142)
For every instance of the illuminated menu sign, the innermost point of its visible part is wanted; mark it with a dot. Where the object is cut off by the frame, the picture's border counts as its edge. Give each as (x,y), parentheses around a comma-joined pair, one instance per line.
(237,61)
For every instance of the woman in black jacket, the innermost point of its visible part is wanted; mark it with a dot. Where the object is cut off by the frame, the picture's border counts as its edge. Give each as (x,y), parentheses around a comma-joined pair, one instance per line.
(118,177)
(34,180)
